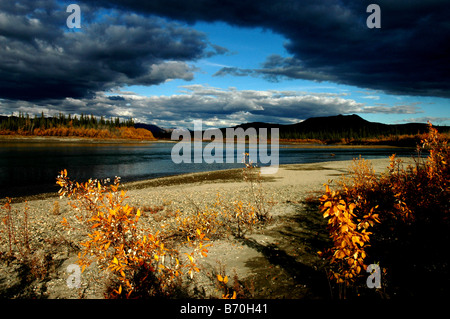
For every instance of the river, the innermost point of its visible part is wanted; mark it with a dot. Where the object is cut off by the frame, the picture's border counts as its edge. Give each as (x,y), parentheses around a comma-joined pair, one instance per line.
(28,168)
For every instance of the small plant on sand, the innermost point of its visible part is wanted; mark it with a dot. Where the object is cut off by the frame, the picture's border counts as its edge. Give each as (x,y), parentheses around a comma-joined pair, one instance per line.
(228,293)
(252,175)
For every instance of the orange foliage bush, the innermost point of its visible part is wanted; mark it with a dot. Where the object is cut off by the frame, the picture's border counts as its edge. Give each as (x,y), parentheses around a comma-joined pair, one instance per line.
(348,226)
(412,200)
(135,133)
(143,264)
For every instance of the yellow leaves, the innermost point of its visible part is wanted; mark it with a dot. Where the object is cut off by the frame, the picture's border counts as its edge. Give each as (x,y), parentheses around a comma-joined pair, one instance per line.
(96,225)
(348,250)
(64,222)
(138,214)
(351,207)
(191,259)
(204,252)
(222,279)
(356,240)
(119,291)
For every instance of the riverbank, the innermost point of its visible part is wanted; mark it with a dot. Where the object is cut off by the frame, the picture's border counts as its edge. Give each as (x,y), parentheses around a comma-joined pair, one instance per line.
(278,260)
(70,139)
(93,140)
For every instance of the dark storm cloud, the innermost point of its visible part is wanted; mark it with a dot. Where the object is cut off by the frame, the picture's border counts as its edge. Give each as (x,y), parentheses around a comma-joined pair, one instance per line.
(234,71)
(276,68)
(329,40)
(40,58)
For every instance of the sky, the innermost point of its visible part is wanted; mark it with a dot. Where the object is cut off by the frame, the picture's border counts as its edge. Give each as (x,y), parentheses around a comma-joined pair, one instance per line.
(227,62)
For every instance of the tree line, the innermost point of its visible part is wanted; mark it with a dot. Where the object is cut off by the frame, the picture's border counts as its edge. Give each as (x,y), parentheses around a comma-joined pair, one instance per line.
(72,126)
(24,122)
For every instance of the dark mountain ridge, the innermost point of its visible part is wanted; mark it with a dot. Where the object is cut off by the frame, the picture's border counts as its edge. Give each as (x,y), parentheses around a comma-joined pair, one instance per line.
(331,129)
(342,127)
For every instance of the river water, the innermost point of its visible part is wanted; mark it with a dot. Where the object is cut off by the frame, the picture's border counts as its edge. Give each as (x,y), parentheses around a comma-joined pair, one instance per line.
(28,168)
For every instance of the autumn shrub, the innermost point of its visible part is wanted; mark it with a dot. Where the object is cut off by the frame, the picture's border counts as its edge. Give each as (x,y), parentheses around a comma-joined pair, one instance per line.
(394,217)
(348,223)
(239,217)
(223,218)
(207,220)
(143,264)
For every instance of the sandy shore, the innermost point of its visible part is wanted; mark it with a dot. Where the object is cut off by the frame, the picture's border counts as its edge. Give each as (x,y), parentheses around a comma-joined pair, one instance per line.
(279,260)
(291,182)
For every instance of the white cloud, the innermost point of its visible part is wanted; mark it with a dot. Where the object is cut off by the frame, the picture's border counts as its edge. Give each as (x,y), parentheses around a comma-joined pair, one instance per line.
(396,109)
(217,107)
(425,119)
(371,97)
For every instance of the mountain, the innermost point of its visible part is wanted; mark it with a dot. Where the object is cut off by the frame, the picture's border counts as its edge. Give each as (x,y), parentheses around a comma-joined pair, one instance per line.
(157,131)
(334,128)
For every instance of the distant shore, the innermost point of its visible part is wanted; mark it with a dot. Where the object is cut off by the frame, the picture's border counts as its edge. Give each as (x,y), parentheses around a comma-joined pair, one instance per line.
(70,139)
(90,140)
